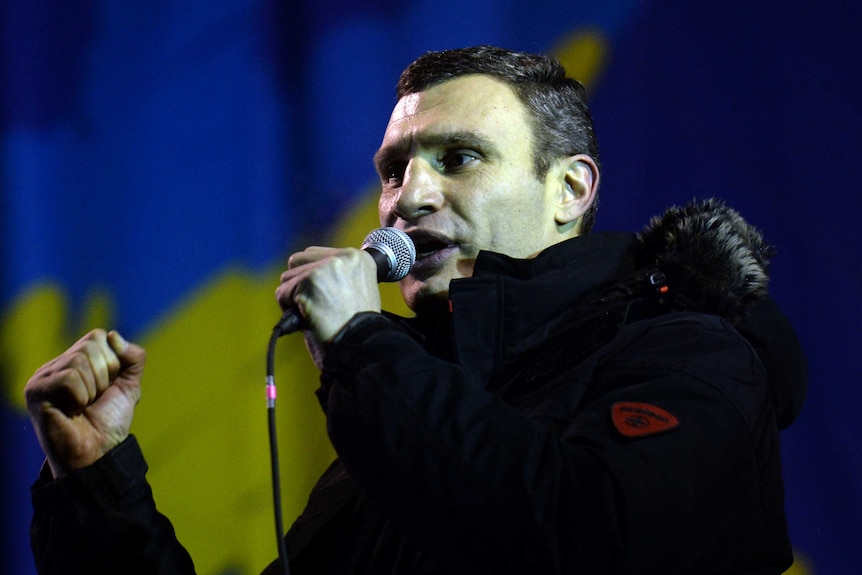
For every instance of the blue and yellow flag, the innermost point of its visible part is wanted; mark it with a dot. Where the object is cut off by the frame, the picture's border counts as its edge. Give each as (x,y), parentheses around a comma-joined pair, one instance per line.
(160,161)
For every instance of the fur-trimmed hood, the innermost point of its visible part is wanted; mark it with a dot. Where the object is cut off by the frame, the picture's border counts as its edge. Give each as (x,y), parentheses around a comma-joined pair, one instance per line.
(712,260)
(715,262)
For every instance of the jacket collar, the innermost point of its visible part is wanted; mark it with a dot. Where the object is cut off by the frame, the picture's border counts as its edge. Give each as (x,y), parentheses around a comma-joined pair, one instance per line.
(509,304)
(715,263)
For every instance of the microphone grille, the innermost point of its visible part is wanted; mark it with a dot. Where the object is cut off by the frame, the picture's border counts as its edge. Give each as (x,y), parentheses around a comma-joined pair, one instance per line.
(399,244)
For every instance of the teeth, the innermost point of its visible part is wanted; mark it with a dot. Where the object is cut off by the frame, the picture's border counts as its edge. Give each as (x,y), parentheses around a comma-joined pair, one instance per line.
(425,251)
(428,245)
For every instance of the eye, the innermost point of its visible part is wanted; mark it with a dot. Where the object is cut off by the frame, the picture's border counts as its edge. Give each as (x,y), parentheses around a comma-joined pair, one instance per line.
(456,159)
(393,173)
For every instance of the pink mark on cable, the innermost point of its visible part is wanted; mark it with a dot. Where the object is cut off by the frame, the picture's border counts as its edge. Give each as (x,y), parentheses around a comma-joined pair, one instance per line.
(270,392)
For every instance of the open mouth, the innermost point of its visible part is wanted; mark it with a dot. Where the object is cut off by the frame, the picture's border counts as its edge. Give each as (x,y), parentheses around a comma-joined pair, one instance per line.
(426,246)
(431,248)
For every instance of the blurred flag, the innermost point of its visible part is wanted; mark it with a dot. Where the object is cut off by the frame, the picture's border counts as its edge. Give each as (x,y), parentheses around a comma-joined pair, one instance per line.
(161,160)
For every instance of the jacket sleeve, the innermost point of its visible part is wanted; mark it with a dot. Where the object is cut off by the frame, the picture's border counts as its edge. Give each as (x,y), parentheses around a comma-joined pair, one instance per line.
(102,519)
(551,486)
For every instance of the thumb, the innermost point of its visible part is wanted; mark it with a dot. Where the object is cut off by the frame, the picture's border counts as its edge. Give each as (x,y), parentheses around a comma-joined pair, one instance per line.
(131,356)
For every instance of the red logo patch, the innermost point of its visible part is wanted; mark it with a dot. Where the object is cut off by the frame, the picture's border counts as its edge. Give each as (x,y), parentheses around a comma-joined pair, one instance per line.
(639,419)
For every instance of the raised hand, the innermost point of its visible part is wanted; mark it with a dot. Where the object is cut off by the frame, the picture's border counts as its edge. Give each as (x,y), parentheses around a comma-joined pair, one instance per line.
(82,402)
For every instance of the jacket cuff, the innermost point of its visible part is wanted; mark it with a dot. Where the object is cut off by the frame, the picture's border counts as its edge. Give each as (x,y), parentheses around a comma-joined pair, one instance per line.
(342,349)
(358,324)
(103,483)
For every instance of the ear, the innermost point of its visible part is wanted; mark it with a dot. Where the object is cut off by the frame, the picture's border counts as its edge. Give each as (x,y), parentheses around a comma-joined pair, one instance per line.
(577,186)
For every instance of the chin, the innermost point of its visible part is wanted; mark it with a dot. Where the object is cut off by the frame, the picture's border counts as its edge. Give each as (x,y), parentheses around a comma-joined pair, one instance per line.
(425,296)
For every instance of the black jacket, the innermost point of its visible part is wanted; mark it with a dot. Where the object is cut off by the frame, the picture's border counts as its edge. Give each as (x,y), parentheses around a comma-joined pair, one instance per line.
(593,410)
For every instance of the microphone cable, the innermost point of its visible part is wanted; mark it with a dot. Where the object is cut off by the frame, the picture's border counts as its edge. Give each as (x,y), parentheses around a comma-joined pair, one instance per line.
(394,253)
(273,448)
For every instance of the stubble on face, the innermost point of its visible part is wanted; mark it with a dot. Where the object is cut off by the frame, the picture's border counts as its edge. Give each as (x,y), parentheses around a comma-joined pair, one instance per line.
(493,202)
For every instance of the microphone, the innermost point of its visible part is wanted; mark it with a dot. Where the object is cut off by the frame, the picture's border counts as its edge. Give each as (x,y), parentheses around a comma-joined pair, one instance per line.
(393,252)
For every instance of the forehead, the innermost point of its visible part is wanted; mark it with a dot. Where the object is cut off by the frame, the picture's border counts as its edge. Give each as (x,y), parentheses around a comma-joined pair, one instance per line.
(476,104)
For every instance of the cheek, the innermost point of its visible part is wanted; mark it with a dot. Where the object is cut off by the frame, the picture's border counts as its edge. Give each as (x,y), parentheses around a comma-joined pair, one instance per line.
(384,208)
(518,225)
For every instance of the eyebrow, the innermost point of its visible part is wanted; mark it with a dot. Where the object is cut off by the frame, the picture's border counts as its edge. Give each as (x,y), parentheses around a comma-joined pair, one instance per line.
(461,138)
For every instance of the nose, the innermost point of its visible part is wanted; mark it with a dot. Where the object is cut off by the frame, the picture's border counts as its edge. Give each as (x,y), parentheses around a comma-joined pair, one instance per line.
(419,194)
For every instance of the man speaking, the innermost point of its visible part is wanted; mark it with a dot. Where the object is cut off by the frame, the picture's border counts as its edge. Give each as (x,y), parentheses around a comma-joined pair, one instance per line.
(562,402)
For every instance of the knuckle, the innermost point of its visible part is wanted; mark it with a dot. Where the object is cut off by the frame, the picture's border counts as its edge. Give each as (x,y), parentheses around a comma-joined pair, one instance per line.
(96,335)
(90,346)
(294,260)
(312,277)
(78,361)
(33,389)
(344,258)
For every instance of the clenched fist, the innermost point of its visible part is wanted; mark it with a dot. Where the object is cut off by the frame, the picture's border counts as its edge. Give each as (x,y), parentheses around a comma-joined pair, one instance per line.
(82,402)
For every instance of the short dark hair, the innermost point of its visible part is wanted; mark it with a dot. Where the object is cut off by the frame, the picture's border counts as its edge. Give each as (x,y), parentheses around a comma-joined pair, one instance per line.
(561,120)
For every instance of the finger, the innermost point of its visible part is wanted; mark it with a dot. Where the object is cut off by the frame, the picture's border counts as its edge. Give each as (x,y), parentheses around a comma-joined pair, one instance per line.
(132,356)
(71,393)
(79,371)
(290,274)
(309,255)
(291,280)
(63,389)
(117,342)
(303,263)
(73,368)
(61,360)
(103,361)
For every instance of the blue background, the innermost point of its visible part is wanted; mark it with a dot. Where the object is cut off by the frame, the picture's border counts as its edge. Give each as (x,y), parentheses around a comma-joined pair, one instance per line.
(145,147)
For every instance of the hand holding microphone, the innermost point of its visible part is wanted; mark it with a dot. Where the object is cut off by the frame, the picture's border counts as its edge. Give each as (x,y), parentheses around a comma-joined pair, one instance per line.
(324,287)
